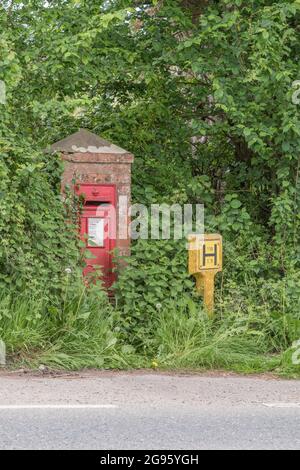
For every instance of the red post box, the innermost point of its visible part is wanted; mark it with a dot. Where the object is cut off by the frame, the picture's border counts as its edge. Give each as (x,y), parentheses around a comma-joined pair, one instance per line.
(98,228)
(101,173)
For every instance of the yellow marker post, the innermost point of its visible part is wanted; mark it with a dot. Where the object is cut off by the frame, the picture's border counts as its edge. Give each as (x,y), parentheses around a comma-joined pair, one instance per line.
(205,261)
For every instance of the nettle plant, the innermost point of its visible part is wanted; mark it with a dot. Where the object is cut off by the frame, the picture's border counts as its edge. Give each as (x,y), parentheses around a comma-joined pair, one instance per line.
(156,276)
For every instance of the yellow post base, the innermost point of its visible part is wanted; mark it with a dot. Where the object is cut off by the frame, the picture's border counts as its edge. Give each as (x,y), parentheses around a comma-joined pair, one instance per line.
(200,284)
(205,284)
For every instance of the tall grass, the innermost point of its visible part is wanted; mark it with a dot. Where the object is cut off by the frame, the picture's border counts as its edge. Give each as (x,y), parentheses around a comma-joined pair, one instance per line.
(72,331)
(79,328)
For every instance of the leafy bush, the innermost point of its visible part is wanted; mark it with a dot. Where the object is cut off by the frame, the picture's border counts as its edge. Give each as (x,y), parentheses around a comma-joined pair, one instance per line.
(36,244)
(155,276)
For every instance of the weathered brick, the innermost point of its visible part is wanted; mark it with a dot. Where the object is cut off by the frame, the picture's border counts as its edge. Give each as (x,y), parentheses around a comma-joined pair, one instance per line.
(101,163)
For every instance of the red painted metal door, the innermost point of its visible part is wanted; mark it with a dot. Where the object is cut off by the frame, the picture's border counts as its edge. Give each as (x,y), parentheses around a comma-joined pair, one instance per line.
(97,230)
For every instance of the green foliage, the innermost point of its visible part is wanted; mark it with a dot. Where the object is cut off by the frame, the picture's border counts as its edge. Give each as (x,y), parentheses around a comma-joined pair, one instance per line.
(36,244)
(152,80)
(234,218)
(156,275)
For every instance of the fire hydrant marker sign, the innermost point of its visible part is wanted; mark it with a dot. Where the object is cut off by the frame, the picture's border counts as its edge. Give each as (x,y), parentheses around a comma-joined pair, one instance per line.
(205,261)
(211,255)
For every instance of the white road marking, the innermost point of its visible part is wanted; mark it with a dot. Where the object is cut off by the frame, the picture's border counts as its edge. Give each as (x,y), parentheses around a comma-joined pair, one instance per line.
(282,405)
(56,407)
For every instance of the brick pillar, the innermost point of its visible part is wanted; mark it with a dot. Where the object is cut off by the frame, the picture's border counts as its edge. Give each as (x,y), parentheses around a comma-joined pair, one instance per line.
(90,159)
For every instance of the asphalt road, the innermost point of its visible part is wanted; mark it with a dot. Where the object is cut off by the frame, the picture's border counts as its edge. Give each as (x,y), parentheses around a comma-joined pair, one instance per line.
(148,411)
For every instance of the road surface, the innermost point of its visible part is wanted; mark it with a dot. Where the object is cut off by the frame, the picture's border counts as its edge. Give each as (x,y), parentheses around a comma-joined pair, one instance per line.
(125,411)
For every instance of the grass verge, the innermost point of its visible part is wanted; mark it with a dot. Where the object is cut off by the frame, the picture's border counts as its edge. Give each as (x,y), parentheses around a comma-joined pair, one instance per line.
(85,331)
